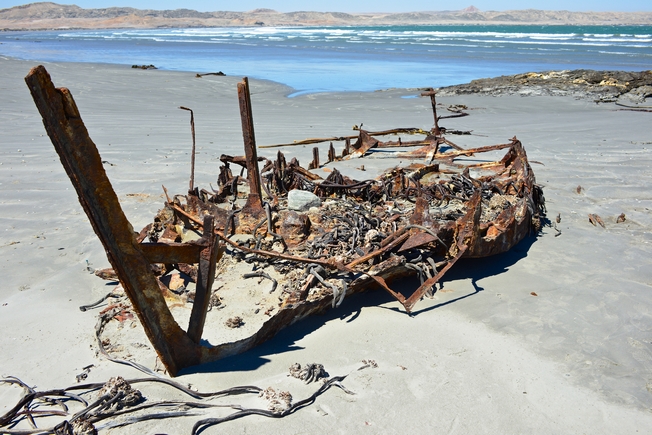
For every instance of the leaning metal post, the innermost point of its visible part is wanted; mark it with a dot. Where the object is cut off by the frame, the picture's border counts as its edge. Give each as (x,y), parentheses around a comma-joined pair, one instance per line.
(131,260)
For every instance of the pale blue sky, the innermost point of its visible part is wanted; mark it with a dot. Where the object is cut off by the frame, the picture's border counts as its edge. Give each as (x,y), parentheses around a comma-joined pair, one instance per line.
(359,6)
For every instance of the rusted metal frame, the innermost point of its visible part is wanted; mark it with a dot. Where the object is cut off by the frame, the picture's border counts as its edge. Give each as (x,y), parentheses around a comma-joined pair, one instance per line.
(451,144)
(347,148)
(254,205)
(427,285)
(171,252)
(249,250)
(83,164)
(327,264)
(306,173)
(384,248)
(401,144)
(429,140)
(449,155)
(315,159)
(467,233)
(364,143)
(485,165)
(129,259)
(359,185)
(331,153)
(345,138)
(208,259)
(309,141)
(469,151)
(412,130)
(238,160)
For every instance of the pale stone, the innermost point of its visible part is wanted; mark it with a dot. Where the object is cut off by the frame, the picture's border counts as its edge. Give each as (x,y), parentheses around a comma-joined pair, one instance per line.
(300,200)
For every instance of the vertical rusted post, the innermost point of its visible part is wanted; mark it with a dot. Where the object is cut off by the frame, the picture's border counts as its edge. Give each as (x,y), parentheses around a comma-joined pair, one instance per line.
(331,153)
(192,155)
(315,159)
(347,147)
(254,204)
(431,93)
(208,259)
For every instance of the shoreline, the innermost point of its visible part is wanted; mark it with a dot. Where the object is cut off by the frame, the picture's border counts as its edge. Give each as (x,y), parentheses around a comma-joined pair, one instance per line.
(602,86)
(366,66)
(576,357)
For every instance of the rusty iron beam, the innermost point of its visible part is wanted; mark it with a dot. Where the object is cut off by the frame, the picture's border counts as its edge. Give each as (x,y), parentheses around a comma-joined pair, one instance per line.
(170,253)
(131,262)
(314,164)
(254,205)
(208,259)
(84,167)
(331,153)
(431,93)
(310,141)
(470,151)
(467,235)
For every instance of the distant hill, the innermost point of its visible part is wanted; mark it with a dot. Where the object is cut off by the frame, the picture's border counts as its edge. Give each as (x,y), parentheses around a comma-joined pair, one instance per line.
(47,15)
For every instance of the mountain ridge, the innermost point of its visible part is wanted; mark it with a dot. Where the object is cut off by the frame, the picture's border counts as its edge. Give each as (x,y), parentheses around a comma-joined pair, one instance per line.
(49,15)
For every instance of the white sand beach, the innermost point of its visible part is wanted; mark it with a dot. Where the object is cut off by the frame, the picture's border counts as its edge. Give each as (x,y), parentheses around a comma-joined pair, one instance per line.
(554,337)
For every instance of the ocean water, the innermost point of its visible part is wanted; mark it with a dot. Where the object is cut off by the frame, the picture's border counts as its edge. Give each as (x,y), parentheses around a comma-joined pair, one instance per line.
(321,59)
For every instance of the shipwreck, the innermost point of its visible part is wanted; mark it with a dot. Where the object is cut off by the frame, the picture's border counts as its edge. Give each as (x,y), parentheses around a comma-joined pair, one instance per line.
(417,220)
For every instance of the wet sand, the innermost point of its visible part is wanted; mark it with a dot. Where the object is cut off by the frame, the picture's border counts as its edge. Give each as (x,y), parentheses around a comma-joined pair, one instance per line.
(484,355)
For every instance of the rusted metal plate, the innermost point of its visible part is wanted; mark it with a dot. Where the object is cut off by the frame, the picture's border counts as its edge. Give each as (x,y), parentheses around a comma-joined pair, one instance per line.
(417,240)
(171,252)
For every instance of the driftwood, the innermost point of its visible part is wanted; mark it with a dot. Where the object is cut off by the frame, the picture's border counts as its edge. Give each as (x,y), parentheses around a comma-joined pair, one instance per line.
(413,221)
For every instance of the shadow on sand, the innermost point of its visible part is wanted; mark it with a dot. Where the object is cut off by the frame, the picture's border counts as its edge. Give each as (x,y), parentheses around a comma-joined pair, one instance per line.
(285,341)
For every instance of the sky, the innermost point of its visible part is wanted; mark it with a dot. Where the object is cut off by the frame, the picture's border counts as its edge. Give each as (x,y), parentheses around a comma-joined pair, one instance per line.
(358,6)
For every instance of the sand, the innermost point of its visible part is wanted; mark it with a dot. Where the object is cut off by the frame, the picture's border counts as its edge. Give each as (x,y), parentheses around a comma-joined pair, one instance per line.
(483,356)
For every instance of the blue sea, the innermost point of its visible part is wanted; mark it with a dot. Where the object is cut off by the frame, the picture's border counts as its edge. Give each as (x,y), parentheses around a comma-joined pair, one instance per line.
(319,59)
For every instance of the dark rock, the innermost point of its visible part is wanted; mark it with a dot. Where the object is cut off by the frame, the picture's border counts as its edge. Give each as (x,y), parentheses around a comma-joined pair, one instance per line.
(596,85)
